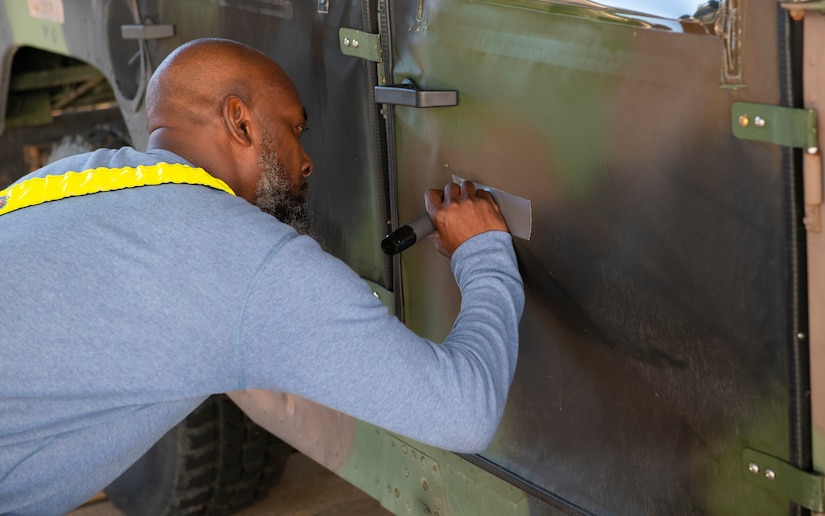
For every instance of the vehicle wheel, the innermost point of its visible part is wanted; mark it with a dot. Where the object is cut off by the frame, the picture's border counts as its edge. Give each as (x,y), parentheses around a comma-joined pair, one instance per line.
(216,461)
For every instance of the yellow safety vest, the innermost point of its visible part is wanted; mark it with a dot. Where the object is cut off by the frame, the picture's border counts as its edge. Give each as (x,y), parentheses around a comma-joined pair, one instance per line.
(38,190)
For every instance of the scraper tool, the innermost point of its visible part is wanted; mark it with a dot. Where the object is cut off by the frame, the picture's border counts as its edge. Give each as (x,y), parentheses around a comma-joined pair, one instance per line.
(516,211)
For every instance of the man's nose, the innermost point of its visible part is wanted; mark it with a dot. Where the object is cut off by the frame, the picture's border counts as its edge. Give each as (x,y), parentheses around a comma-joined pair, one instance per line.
(307,166)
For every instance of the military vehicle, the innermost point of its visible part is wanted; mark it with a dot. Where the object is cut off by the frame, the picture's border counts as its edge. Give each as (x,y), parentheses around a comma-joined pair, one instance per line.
(672,346)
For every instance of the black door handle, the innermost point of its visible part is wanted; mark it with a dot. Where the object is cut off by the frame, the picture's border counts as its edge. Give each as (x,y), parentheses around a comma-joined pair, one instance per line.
(408,94)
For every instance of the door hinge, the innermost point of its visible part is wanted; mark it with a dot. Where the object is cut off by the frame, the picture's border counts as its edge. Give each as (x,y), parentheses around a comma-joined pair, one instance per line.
(781,125)
(361,44)
(801,487)
(791,127)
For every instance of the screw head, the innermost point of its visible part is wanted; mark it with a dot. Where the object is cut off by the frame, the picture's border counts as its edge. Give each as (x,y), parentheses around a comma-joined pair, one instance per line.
(758,121)
(744,121)
(355,43)
(753,468)
(770,474)
(346,42)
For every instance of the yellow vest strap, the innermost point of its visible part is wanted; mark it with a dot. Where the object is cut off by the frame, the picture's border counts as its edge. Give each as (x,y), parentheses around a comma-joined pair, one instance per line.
(38,190)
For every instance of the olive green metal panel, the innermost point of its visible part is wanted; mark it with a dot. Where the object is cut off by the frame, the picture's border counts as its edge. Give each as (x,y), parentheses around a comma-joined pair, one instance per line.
(413,478)
(39,28)
(655,338)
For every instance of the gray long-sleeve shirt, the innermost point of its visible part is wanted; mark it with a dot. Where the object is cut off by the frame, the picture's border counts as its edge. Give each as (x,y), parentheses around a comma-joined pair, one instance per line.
(122,311)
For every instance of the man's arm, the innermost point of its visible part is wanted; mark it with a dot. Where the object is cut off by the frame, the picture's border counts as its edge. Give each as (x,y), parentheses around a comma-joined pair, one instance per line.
(318,332)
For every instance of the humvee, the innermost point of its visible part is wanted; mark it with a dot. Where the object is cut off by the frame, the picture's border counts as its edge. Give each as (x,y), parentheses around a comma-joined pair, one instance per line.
(672,349)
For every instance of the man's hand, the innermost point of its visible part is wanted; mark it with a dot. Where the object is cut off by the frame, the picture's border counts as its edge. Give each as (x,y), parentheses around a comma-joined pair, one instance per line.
(460,213)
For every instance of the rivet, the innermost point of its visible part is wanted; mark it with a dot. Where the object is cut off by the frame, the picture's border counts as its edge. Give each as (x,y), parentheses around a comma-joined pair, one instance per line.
(424,485)
(758,121)
(753,468)
(406,472)
(396,493)
(770,474)
(438,504)
(355,43)
(744,120)
(800,336)
(346,42)
(404,449)
(812,150)
(423,461)
(375,294)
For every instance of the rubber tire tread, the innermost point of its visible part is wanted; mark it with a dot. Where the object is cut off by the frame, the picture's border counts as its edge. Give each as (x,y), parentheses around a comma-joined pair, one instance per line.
(215,462)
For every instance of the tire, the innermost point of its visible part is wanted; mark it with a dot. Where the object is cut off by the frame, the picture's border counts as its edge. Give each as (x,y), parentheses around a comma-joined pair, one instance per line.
(215,462)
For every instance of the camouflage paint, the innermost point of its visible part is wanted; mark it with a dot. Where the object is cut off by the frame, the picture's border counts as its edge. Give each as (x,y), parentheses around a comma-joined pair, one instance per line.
(654,342)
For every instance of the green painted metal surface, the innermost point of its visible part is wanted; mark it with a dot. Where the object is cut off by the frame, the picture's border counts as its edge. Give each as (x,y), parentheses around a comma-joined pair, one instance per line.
(361,44)
(776,124)
(34,32)
(776,475)
(408,477)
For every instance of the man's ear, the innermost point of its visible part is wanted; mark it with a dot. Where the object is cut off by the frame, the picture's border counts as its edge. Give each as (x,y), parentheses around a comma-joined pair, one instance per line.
(236,117)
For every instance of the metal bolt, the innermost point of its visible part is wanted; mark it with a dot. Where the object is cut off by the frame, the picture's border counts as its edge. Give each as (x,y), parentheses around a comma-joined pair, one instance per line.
(744,120)
(753,468)
(346,42)
(377,295)
(770,474)
(758,121)
(355,43)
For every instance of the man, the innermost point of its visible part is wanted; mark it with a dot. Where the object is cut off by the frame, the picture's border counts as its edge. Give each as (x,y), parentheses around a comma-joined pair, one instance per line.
(136,284)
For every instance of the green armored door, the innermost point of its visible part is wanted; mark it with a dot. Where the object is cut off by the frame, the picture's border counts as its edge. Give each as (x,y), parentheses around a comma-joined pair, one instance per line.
(659,345)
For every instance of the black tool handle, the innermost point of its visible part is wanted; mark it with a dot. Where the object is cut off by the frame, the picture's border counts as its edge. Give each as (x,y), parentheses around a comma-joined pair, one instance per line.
(408,234)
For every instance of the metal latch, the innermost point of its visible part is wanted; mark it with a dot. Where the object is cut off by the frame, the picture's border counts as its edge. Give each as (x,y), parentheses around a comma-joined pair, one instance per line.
(801,487)
(361,44)
(793,128)
(408,94)
(148,31)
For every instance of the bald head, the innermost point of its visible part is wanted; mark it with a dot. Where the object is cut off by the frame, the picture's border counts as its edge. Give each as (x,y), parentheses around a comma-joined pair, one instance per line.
(211,101)
(192,81)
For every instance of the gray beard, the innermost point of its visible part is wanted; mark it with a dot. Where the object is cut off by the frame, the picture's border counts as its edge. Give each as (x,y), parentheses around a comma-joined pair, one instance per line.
(273,193)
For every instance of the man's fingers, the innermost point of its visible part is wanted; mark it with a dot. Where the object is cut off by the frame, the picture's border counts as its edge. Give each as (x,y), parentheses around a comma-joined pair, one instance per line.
(451,192)
(468,189)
